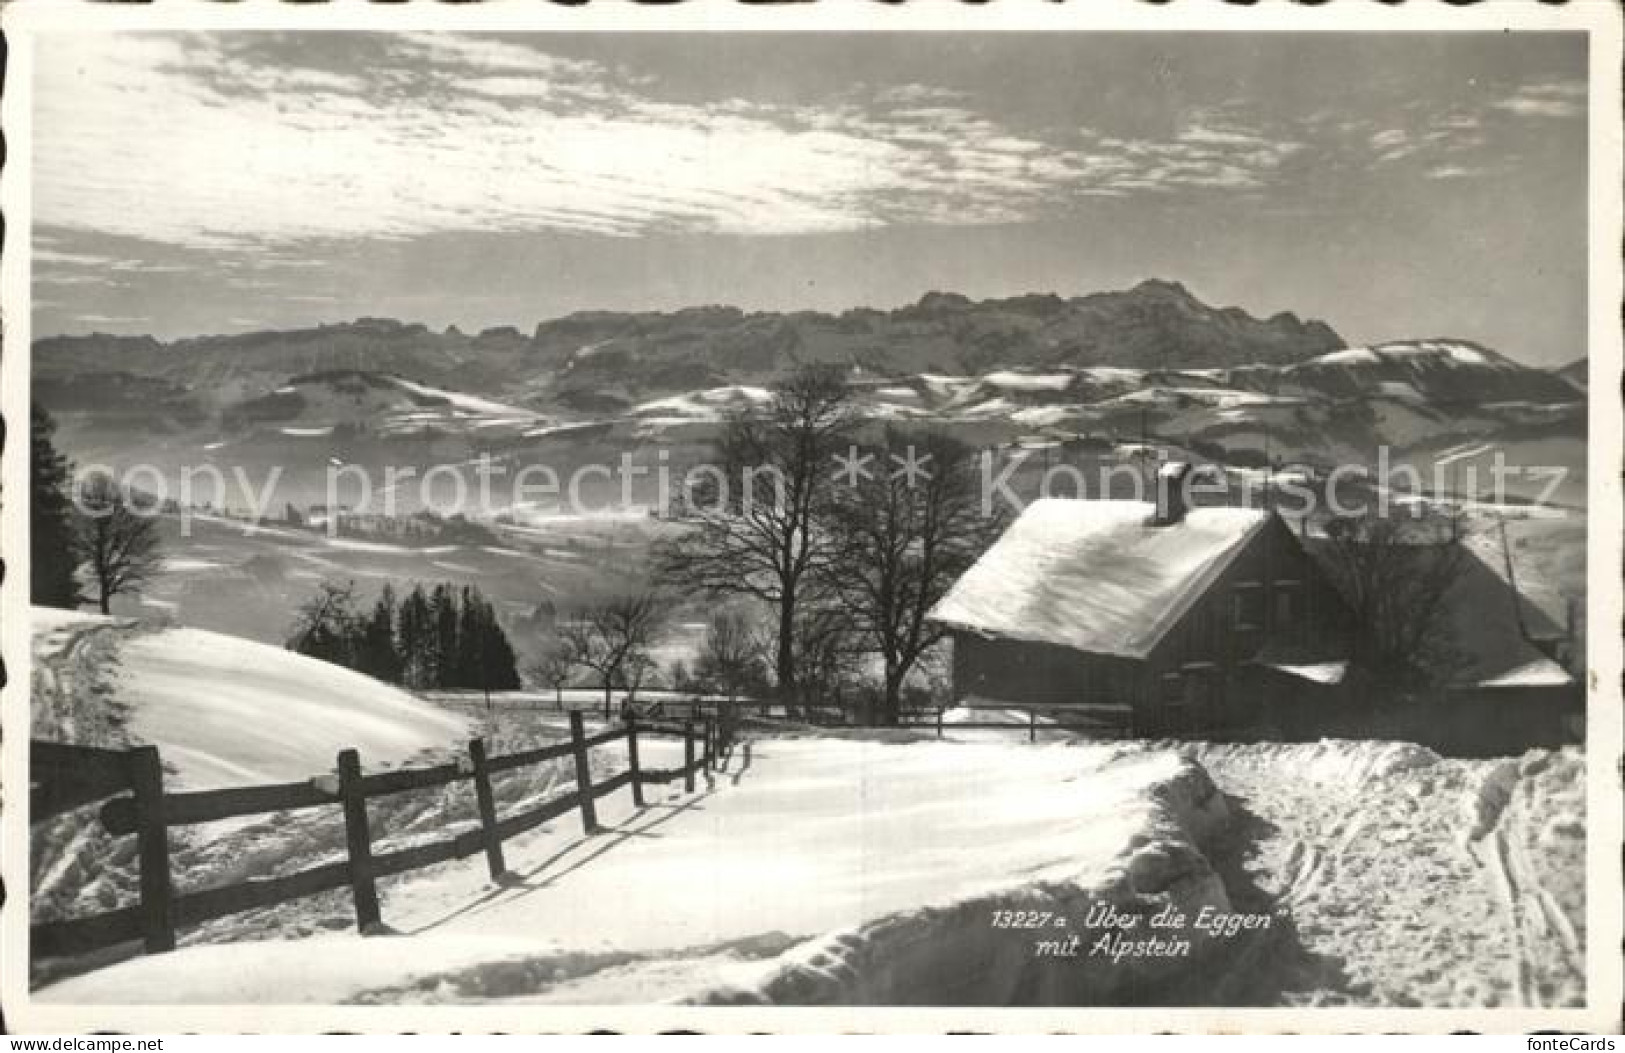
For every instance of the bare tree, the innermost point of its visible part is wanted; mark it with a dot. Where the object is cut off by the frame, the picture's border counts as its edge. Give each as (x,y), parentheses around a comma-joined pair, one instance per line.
(753,532)
(118,541)
(552,669)
(829,652)
(327,625)
(904,536)
(606,636)
(638,669)
(731,661)
(1396,572)
(730,658)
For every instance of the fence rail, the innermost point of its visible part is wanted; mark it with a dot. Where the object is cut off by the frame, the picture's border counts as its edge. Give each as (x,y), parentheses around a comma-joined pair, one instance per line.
(1097,719)
(685,707)
(1108,721)
(67,777)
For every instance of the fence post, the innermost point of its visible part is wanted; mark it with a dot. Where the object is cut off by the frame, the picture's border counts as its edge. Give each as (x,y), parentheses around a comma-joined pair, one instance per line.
(578,741)
(1032,725)
(939,722)
(152,839)
(688,757)
(488,808)
(632,759)
(358,842)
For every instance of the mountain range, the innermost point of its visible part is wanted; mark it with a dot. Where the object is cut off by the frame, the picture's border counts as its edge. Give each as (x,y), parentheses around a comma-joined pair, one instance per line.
(600,360)
(1148,361)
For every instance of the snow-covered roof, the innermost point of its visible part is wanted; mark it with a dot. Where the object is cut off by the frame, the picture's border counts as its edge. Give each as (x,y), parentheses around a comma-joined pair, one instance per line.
(1096,576)
(1316,672)
(1539,672)
(1492,627)
(1540,602)
(1490,624)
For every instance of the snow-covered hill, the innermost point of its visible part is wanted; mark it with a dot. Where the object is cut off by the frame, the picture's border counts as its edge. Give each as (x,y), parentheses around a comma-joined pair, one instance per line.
(1441,371)
(317,405)
(1339,405)
(226,711)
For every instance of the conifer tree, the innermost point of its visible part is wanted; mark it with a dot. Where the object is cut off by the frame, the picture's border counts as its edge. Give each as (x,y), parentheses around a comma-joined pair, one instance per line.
(466,671)
(496,656)
(376,651)
(443,602)
(414,639)
(53,553)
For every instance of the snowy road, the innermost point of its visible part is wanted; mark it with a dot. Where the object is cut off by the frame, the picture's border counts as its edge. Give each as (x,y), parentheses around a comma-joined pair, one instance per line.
(819,847)
(1415,880)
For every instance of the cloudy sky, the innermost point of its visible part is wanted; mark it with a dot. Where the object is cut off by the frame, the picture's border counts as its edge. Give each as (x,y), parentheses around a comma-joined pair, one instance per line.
(1394,185)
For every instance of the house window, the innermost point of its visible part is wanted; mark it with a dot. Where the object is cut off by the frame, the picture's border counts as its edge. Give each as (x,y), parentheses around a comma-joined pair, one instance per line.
(1249,606)
(1173,689)
(1287,607)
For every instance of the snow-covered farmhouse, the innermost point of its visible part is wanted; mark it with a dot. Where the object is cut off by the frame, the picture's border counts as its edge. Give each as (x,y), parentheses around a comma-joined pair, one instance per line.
(1160,619)
(1152,618)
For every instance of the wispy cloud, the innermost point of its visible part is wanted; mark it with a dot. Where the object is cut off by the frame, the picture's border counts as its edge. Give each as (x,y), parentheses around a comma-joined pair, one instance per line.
(1454,172)
(1558,99)
(1392,144)
(1435,137)
(53,278)
(56,260)
(112,319)
(206,143)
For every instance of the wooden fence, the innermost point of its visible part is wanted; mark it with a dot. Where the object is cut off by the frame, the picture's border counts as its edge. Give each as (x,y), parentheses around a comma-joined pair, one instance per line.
(1098,722)
(1101,722)
(688,707)
(67,777)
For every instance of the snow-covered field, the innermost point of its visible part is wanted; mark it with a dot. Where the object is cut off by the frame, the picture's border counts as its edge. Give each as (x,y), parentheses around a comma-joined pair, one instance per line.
(818,867)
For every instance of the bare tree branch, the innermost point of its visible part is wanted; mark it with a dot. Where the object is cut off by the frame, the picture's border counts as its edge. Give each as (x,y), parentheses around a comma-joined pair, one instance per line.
(1396,572)
(901,541)
(609,638)
(754,532)
(119,542)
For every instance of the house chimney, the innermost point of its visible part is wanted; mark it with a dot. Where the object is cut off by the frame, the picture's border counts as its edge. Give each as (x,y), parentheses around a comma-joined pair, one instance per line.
(1171,493)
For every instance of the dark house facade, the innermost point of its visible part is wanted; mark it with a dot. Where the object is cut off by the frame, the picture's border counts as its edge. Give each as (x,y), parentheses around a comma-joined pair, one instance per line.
(1150,618)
